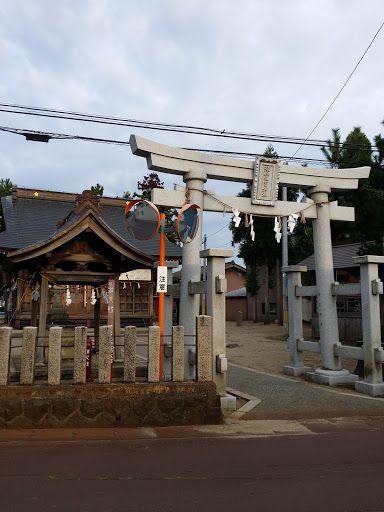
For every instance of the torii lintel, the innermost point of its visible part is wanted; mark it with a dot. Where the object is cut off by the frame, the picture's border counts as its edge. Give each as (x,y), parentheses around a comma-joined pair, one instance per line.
(173,160)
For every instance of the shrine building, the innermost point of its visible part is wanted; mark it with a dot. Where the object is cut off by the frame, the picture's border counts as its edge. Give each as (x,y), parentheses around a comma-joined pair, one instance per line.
(61,250)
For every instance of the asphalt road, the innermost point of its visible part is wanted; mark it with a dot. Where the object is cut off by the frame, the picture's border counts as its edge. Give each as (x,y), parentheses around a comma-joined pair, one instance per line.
(324,473)
(286,398)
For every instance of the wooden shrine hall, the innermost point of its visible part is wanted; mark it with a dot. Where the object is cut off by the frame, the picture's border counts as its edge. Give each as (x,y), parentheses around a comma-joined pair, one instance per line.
(61,250)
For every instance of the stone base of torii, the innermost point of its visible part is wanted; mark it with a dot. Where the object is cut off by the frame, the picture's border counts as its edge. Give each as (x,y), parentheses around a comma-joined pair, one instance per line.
(266,175)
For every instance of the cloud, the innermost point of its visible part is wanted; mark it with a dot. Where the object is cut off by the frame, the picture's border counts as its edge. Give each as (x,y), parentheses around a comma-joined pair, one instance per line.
(265,67)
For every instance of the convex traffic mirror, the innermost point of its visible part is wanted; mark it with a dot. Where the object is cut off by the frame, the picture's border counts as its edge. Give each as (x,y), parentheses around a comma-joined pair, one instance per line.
(142,220)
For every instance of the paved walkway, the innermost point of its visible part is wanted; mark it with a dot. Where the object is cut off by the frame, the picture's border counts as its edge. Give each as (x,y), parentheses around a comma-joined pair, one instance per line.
(272,405)
(294,398)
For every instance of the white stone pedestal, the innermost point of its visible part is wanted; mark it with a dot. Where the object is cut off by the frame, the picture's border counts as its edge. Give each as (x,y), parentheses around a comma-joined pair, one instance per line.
(369,388)
(332,377)
(295,370)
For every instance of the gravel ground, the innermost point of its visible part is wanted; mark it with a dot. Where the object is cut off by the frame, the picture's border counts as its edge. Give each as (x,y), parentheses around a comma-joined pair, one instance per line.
(264,348)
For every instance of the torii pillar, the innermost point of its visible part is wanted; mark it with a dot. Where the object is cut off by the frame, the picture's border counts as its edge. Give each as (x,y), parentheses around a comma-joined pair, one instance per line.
(191,268)
(265,175)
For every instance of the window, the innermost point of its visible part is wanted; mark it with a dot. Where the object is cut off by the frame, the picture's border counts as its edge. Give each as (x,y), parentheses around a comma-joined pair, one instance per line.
(272,308)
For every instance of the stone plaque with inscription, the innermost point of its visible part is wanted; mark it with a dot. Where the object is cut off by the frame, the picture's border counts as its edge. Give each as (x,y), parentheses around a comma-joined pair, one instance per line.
(265,184)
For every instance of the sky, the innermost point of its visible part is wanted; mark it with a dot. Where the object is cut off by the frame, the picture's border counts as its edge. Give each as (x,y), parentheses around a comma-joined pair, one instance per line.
(259,66)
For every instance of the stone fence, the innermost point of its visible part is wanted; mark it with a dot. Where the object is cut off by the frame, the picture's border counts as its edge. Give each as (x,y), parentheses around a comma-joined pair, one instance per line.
(370,353)
(127,401)
(105,351)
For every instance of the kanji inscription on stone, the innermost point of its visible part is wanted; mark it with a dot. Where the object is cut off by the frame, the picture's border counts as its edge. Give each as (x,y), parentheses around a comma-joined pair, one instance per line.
(265,184)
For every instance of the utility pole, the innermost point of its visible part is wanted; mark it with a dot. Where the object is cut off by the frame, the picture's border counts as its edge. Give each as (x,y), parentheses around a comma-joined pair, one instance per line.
(284,258)
(203,308)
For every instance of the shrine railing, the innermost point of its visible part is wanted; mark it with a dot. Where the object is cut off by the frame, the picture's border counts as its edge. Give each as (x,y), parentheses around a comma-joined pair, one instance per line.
(29,372)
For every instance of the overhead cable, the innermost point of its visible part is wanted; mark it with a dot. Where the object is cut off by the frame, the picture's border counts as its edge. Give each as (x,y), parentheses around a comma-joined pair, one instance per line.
(150,125)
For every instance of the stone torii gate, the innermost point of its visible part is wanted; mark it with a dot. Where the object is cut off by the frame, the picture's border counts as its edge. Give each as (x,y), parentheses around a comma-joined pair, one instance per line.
(265,175)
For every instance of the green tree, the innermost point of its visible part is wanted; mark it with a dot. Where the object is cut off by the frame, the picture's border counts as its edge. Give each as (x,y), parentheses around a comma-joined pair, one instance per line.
(6,186)
(333,150)
(127,195)
(5,190)
(368,200)
(262,252)
(150,181)
(97,190)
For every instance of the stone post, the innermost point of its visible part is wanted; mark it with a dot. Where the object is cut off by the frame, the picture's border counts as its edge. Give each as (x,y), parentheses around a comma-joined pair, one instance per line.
(295,309)
(117,323)
(42,318)
(130,354)
(153,354)
(54,356)
(178,353)
(168,316)
(331,372)
(80,355)
(371,287)
(28,351)
(5,354)
(204,348)
(191,267)
(106,332)
(216,289)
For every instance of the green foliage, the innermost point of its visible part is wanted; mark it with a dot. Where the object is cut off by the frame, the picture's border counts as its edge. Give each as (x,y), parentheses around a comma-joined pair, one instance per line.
(127,195)
(263,250)
(332,152)
(97,190)
(149,182)
(368,200)
(6,186)
(270,152)
(252,281)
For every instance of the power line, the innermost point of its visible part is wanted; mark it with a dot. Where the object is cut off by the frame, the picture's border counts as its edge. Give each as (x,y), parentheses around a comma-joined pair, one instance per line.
(150,125)
(218,231)
(338,94)
(46,136)
(42,136)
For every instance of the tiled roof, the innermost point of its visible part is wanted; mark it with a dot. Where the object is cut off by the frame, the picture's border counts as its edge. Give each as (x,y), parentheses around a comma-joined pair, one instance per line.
(241,292)
(342,257)
(29,221)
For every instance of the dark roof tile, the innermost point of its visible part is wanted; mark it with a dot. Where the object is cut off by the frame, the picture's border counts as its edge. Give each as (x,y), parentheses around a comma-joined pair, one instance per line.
(32,221)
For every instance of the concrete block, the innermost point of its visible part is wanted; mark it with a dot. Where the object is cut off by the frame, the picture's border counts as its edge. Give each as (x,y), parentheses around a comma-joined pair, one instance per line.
(370,389)
(197,287)
(228,402)
(80,355)
(5,354)
(154,354)
(105,354)
(221,284)
(178,353)
(204,348)
(221,363)
(54,356)
(130,354)
(296,370)
(332,377)
(28,351)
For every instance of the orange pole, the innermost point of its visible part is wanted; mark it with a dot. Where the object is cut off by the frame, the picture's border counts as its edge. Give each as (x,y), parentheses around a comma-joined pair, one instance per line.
(161,297)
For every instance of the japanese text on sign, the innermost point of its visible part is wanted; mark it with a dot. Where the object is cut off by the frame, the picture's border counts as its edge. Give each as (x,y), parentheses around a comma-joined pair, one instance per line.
(161,280)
